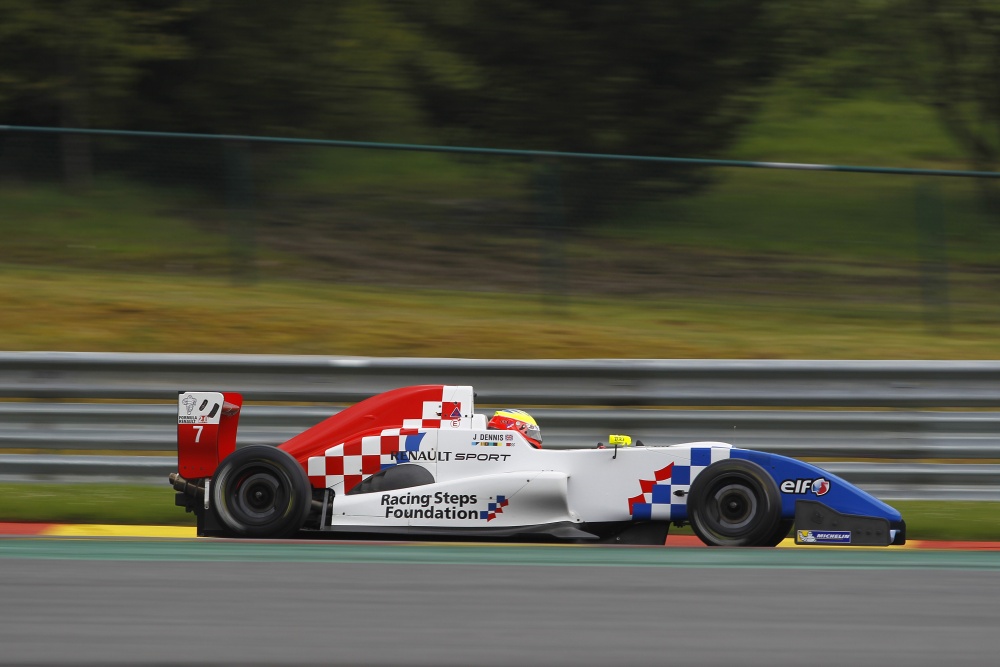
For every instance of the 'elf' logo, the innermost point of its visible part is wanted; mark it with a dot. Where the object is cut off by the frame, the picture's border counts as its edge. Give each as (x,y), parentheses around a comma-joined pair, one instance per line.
(819,486)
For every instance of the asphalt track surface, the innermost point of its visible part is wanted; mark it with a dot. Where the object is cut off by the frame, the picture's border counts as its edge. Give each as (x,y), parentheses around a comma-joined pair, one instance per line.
(218,602)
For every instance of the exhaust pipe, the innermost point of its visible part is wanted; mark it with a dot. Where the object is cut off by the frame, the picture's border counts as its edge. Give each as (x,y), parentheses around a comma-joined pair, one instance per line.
(184,486)
(196,491)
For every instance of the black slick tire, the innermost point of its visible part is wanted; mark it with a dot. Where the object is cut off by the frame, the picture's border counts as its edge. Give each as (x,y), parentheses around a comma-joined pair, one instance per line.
(260,491)
(735,503)
(780,533)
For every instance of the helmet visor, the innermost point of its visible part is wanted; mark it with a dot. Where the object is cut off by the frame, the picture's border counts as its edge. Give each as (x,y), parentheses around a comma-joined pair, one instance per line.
(533,432)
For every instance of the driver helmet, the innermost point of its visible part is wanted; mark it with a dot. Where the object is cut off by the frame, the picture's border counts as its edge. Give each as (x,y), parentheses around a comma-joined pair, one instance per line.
(517,420)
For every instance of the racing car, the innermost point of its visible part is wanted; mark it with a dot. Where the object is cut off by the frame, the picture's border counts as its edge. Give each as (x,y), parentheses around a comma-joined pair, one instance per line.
(418,462)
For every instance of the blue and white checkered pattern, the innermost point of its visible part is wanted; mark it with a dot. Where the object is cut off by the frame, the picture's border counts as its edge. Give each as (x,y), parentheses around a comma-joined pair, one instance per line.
(664,498)
(494,508)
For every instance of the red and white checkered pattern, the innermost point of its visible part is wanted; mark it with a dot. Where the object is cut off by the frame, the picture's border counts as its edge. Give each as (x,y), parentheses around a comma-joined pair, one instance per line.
(350,462)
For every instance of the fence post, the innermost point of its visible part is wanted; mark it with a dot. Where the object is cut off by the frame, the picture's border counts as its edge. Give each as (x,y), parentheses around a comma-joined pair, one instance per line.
(551,218)
(242,227)
(933,240)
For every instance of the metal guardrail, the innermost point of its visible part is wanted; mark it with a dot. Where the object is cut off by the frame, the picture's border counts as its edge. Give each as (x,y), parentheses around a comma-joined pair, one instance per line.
(903,435)
(596,382)
(896,432)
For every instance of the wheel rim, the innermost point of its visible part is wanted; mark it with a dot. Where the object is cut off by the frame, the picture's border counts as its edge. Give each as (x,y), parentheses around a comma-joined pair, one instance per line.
(735,507)
(258,495)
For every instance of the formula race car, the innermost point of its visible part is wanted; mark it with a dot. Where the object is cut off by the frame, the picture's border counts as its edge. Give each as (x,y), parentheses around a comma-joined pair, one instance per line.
(418,462)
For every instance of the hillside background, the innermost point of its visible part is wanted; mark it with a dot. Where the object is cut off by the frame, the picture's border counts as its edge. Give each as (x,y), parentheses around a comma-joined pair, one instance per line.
(166,243)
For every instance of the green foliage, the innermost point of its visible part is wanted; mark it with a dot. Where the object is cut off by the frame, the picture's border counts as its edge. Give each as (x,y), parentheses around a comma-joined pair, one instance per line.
(653,78)
(647,78)
(941,53)
(959,42)
(298,69)
(76,63)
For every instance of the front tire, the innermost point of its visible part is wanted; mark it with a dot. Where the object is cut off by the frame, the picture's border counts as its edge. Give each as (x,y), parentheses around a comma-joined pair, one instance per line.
(735,503)
(780,533)
(261,491)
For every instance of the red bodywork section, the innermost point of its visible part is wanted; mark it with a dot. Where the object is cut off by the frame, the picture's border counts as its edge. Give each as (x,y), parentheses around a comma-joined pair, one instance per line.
(369,417)
(201,447)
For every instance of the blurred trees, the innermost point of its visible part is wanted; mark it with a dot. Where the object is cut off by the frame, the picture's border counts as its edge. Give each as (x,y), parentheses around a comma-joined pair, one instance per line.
(76,64)
(219,66)
(308,68)
(597,76)
(73,64)
(952,62)
(646,77)
(942,53)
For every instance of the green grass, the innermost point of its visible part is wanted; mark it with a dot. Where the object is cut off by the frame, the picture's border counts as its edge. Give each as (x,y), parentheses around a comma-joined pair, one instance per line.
(75,310)
(91,503)
(875,130)
(830,215)
(950,520)
(823,217)
(151,505)
(315,210)
(349,172)
(809,214)
(114,224)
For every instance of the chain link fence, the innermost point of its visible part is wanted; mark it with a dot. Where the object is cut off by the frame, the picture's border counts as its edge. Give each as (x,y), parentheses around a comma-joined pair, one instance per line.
(547,225)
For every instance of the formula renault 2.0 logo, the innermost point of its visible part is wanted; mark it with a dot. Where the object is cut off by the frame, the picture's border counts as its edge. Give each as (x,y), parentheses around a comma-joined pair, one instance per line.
(819,486)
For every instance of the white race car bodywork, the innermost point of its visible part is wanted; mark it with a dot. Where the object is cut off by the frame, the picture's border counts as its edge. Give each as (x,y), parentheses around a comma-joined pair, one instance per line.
(419,461)
(488,484)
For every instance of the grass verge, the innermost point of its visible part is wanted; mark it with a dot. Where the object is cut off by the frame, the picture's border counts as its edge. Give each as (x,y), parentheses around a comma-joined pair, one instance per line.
(83,311)
(151,505)
(91,503)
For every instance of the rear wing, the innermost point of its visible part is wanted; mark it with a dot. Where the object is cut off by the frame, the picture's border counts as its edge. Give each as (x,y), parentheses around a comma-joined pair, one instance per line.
(206,430)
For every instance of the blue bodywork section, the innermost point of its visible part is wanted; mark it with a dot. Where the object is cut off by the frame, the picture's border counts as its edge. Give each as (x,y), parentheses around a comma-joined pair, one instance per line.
(413,441)
(840,495)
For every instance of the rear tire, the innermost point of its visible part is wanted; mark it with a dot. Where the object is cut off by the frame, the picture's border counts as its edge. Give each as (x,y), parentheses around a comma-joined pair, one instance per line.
(735,503)
(261,491)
